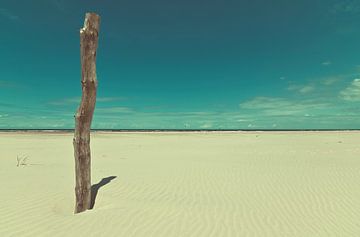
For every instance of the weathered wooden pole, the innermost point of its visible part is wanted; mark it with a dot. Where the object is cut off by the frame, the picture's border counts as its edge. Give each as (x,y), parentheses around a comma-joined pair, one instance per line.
(84,114)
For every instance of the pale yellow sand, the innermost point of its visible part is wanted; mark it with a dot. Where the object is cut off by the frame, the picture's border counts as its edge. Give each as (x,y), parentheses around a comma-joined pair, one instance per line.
(189,184)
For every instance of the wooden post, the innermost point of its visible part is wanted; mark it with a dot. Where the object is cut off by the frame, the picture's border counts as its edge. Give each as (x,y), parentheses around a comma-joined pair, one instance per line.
(84,114)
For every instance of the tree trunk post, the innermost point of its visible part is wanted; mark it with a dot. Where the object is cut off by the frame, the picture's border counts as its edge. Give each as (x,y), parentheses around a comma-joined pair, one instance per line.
(84,114)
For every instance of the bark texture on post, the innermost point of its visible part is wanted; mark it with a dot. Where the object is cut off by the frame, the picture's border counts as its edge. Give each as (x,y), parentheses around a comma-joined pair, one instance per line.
(84,114)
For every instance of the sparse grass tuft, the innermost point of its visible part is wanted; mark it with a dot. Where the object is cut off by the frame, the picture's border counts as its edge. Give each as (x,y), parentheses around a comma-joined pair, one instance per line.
(21,160)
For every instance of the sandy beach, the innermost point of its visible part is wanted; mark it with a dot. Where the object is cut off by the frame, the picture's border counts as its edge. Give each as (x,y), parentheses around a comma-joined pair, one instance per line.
(185,184)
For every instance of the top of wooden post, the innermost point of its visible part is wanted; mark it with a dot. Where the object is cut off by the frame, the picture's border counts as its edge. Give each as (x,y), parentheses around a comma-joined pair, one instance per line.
(91,23)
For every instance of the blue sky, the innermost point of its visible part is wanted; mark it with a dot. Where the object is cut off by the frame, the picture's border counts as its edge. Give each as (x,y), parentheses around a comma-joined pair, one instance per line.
(184,64)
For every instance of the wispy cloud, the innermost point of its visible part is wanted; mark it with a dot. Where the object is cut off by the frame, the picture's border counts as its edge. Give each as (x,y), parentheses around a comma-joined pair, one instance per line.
(330,80)
(326,63)
(279,112)
(265,103)
(306,89)
(6,13)
(76,100)
(303,89)
(270,106)
(109,99)
(66,101)
(206,125)
(352,92)
(114,110)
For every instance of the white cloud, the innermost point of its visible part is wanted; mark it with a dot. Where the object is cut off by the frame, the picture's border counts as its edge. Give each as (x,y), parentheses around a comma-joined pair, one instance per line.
(265,103)
(303,89)
(206,125)
(66,101)
(326,63)
(76,100)
(352,92)
(330,81)
(114,110)
(269,106)
(306,89)
(109,99)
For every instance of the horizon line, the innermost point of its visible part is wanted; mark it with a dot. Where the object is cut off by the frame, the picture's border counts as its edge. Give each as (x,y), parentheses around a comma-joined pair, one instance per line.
(171,130)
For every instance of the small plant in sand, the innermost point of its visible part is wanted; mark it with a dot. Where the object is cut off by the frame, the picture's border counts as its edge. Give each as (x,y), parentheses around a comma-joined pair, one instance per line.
(21,160)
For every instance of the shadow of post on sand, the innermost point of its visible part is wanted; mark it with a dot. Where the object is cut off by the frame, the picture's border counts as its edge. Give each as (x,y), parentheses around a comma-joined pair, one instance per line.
(95,188)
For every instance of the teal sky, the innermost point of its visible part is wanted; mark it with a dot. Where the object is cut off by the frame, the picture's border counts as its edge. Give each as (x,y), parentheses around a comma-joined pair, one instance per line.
(184,64)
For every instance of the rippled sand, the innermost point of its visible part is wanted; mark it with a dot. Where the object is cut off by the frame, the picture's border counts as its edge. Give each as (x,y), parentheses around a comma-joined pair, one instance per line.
(185,184)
